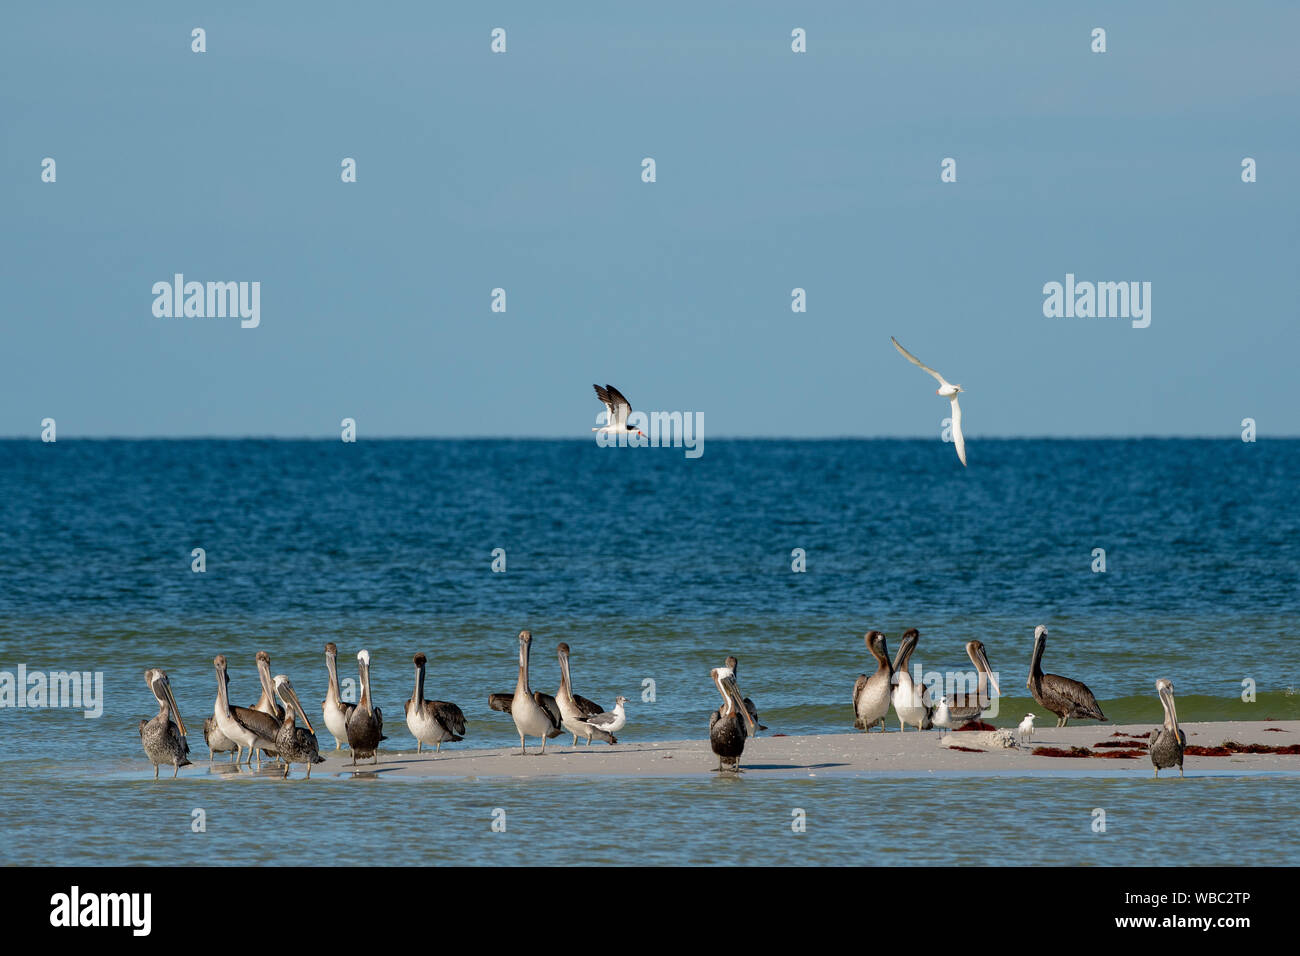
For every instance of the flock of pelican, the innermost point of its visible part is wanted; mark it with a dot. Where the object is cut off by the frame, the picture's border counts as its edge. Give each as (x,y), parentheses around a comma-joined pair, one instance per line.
(270,727)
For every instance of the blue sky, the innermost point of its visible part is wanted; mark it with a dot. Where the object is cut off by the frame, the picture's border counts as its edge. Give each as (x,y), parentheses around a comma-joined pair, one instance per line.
(523,171)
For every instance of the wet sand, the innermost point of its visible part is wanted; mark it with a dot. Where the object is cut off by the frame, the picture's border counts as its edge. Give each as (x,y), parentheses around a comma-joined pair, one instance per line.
(818,755)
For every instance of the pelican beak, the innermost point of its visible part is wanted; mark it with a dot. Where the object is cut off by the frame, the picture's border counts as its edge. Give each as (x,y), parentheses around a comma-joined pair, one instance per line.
(297,705)
(171,702)
(989,671)
(739,699)
(1167,695)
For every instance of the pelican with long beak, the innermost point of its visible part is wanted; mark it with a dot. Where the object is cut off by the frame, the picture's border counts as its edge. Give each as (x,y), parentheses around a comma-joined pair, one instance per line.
(432,721)
(731,723)
(335,710)
(1064,697)
(531,718)
(366,723)
(267,703)
(1167,743)
(295,744)
(965,709)
(246,727)
(218,743)
(163,736)
(911,702)
(871,694)
(574,710)
(734,665)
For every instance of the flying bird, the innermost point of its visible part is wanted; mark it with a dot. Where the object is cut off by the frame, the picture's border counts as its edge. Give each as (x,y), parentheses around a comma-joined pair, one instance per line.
(948,391)
(619,409)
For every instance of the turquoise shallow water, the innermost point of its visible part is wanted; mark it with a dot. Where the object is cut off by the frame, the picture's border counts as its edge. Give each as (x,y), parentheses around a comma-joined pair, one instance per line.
(652,567)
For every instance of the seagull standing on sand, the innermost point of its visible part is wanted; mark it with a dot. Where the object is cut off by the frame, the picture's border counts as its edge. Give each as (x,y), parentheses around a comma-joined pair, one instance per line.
(1027,728)
(942,717)
(948,391)
(610,721)
(619,408)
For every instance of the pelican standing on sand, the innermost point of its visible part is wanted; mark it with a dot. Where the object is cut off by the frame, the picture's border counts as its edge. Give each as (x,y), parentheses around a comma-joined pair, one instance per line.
(366,722)
(731,724)
(295,744)
(1064,697)
(218,743)
(245,726)
(1167,743)
(734,666)
(871,694)
(959,714)
(334,709)
(949,392)
(531,718)
(911,703)
(432,721)
(163,736)
(575,710)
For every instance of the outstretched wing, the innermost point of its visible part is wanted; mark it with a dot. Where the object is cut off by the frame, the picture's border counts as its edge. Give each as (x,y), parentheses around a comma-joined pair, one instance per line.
(957,438)
(619,407)
(917,362)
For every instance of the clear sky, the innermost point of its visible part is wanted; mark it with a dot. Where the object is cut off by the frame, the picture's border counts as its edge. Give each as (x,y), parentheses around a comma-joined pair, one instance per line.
(522,170)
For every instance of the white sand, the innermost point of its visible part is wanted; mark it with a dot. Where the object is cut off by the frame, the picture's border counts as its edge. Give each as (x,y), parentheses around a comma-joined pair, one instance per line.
(821,755)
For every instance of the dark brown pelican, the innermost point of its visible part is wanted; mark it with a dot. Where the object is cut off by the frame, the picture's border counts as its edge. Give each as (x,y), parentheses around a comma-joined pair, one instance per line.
(163,737)
(432,721)
(335,710)
(965,709)
(218,743)
(871,694)
(1167,743)
(245,726)
(911,702)
(532,719)
(574,709)
(730,724)
(295,744)
(267,702)
(366,722)
(1064,697)
(734,665)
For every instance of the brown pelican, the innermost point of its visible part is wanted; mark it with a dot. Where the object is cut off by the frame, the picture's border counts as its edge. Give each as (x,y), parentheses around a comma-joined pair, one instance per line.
(218,743)
(163,737)
(267,703)
(611,722)
(366,722)
(968,710)
(245,726)
(335,710)
(532,719)
(911,703)
(731,724)
(734,664)
(501,702)
(432,721)
(871,694)
(294,744)
(1064,697)
(1167,743)
(574,709)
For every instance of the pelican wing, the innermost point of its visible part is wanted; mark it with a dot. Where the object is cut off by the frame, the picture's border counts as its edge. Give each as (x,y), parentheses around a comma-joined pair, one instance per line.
(586,707)
(501,702)
(449,715)
(957,438)
(857,692)
(917,362)
(1079,700)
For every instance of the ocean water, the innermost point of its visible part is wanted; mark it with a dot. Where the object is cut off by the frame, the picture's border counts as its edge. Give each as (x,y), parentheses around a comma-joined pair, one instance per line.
(652,567)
